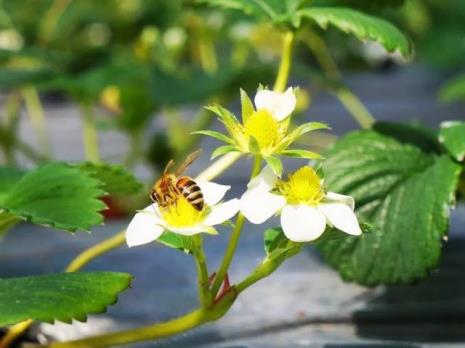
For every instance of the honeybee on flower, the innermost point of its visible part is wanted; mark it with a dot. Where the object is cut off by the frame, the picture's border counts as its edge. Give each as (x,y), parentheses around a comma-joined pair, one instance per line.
(181,205)
(264,129)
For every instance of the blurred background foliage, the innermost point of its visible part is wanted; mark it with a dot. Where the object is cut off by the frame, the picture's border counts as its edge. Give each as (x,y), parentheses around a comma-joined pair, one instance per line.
(140,59)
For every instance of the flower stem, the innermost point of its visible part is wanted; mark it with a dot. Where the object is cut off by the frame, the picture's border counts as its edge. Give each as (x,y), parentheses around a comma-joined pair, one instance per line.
(217,168)
(159,330)
(286,62)
(355,107)
(90,136)
(36,115)
(14,332)
(202,271)
(96,250)
(233,239)
(268,266)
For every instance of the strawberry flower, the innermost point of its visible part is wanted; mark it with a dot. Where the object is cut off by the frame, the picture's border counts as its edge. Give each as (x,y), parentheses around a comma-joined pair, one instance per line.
(181,217)
(304,207)
(264,129)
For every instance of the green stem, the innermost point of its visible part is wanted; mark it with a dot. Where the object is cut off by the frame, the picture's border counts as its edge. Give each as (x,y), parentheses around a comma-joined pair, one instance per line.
(36,115)
(50,19)
(268,266)
(96,250)
(136,150)
(9,128)
(152,332)
(202,271)
(207,54)
(218,167)
(286,62)
(350,101)
(356,108)
(89,134)
(233,239)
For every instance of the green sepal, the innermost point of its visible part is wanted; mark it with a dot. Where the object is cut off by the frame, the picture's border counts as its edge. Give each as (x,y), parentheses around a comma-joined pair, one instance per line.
(299,131)
(275,164)
(222,150)
(296,153)
(177,241)
(217,135)
(247,106)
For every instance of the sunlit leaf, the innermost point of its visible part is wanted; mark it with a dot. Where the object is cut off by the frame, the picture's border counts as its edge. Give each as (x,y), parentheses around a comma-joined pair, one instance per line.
(56,195)
(63,297)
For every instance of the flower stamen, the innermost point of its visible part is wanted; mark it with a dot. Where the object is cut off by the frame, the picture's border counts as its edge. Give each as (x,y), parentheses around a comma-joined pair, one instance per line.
(264,128)
(303,186)
(182,213)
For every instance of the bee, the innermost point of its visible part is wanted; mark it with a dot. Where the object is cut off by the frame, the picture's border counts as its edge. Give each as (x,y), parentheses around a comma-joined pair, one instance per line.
(170,186)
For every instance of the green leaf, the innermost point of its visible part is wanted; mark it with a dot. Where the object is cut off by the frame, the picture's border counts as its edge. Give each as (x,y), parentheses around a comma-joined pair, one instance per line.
(452,136)
(275,164)
(56,195)
(362,26)
(405,193)
(296,153)
(63,296)
(8,178)
(424,138)
(274,239)
(453,90)
(116,180)
(247,106)
(11,78)
(217,135)
(177,241)
(222,150)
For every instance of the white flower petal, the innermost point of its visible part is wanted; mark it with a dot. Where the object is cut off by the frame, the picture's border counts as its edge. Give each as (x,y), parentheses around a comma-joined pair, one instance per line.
(212,192)
(341,217)
(192,230)
(302,223)
(222,212)
(332,197)
(258,204)
(144,227)
(266,179)
(280,105)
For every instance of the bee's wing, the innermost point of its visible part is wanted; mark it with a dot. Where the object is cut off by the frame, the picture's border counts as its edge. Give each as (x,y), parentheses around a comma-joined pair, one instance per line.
(187,162)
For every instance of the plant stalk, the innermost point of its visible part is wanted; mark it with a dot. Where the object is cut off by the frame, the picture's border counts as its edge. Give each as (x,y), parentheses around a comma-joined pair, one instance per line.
(286,62)
(36,115)
(202,271)
(351,102)
(89,134)
(233,239)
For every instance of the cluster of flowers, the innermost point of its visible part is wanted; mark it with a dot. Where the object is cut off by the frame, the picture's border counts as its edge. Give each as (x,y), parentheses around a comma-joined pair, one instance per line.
(305,208)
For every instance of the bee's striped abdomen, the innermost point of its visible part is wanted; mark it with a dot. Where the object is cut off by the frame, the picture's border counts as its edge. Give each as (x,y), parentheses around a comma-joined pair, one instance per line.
(191,191)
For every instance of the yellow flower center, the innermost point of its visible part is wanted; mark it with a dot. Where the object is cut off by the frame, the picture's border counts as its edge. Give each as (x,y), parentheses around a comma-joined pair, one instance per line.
(264,128)
(182,213)
(303,186)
